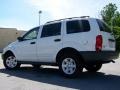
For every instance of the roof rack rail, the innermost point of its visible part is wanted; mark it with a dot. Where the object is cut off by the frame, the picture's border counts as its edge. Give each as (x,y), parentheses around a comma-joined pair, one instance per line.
(69,18)
(84,16)
(55,20)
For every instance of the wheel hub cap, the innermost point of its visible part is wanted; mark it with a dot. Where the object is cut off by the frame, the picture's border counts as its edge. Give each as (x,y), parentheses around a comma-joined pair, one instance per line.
(11,61)
(69,66)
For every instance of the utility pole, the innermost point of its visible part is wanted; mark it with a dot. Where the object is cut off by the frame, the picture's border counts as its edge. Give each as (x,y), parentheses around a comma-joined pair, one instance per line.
(39,16)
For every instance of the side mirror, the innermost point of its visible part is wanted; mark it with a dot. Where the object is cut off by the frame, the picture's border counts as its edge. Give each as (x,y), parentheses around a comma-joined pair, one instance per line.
(20,39)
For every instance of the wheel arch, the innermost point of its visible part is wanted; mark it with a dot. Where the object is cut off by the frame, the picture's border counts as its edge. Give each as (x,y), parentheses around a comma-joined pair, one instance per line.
(68,50)
(9,52)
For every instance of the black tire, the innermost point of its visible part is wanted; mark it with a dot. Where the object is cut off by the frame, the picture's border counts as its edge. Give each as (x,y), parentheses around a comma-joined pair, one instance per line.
(93,68)
(76,61)
(7,60)
(36,66)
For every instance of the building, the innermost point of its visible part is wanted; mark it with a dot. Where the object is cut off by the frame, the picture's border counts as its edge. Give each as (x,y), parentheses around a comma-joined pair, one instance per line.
(8,35)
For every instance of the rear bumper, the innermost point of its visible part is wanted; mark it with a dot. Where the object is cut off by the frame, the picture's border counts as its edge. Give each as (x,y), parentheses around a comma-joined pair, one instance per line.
(100,57)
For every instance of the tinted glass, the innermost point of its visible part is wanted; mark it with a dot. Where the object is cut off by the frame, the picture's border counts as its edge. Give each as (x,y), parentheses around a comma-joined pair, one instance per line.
(103,26)
(32,34)
(51,30)
(73,27)
(85,25)
(77,26)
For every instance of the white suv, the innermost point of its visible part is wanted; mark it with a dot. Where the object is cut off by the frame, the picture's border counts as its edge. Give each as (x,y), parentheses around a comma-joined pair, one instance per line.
(72,44)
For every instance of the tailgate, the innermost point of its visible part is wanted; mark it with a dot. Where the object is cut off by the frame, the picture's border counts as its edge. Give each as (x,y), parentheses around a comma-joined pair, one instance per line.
(108,38)
(108,41)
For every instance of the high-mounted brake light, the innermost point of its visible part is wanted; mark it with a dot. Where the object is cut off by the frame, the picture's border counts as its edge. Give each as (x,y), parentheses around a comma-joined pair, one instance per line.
(99,41)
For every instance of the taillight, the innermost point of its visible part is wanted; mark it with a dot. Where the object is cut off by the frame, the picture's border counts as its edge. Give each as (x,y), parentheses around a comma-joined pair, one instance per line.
(99,42)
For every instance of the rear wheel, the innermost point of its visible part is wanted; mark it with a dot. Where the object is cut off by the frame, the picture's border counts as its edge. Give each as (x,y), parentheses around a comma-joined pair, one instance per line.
(70,66)
(93,68)
(10,62)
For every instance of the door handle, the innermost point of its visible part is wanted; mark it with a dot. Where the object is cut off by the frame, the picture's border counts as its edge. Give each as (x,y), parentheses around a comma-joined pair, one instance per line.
(57,40)
(32,43)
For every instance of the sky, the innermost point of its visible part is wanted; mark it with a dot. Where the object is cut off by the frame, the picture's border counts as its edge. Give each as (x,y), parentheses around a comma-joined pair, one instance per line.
(23,14)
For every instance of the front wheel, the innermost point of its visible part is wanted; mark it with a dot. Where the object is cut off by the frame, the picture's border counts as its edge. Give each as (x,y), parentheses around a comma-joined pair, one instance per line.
(10,62)
(70,66)
(93,68)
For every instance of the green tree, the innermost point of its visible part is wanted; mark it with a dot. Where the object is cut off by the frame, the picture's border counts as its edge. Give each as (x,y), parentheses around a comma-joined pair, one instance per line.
(108,12)
(116,21)
(111,15)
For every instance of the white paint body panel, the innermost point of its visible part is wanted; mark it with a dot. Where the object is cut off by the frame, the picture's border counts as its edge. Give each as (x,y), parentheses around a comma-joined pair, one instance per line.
(46,49)
(26,51)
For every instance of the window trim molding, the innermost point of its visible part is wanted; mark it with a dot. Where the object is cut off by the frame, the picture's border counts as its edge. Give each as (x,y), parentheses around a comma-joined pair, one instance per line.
(81,26)
(53,35)
(34,29)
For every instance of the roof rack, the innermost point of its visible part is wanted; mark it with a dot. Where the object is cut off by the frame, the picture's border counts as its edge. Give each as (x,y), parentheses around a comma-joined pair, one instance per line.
(69,18)
(84,16)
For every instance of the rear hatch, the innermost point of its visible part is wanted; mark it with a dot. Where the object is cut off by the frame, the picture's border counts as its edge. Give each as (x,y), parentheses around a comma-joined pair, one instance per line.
(107,36)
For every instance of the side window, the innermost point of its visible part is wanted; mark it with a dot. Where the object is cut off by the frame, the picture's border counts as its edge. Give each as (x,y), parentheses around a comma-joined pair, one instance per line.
(77,26)
(73,27)
(32,34)
(103,26)
(51,30)
(85,25)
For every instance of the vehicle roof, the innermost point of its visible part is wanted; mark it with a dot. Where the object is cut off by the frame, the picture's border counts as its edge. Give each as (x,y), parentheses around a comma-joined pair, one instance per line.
(67,19)
(70,19)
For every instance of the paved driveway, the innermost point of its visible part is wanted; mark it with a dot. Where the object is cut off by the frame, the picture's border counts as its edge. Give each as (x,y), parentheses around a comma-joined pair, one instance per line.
(48,78)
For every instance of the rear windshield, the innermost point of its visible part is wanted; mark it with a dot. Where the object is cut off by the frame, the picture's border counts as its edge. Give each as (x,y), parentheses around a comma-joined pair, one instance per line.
(103,26)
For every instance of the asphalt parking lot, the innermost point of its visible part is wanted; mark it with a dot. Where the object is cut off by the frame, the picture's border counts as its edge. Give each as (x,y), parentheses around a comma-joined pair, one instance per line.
(48,78)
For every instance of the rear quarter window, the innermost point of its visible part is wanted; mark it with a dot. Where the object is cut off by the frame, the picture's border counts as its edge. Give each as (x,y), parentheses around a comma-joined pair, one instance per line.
(77,26)
(85,25)
(103,26)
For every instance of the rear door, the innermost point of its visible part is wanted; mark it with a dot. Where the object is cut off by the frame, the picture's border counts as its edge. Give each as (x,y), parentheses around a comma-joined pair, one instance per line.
(108,37)
(76,35)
